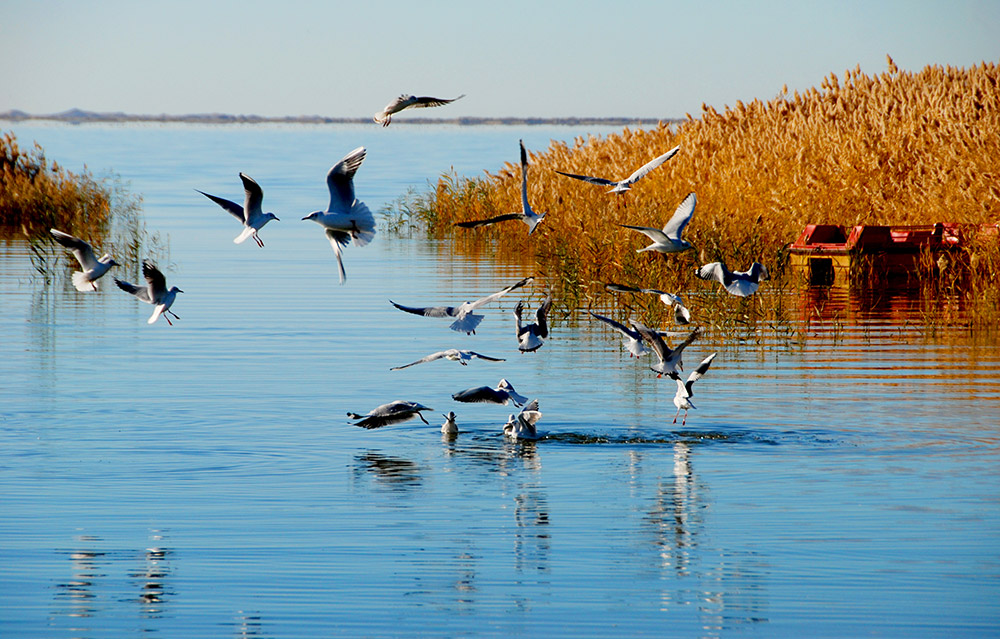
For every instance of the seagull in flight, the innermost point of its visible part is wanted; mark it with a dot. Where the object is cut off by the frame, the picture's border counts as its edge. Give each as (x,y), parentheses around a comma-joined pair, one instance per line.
(530,336)
(685,391)
(155,292)
(93,268)
(404,101)
(487,395)
(681,314)
(465,320)
(391,413)
(741,283)
(669,360)
(633,339)
(453,354)
(346,218)
(251,215)
(527,215)
(669,239)
(624,185)
(522,425)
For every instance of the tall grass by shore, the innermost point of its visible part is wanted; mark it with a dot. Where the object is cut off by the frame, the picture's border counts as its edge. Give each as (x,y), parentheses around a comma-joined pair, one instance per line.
(894,148)
(37,194)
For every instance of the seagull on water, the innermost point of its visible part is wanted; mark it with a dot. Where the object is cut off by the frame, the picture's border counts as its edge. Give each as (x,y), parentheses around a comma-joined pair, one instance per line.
(391,413)
(741,283)
(530,336)
(453,354)
(93,268)
(346,218)
(624,185)
(522,425)
(669,360)
(450,426)
(526,215)
(685,391)
(485,394)
(465,320)
(251,215)
(155,292)
(409,102)
(669,239)
(681,314)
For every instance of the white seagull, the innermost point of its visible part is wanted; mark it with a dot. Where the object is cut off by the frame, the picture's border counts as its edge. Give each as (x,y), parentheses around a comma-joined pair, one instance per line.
(155,292)
(522,425)
(526,215)
(685,391)
(465,320)
(391,413)
(450,426)
(624,185)
(669,360)
(93,268)
(669,239)
(681,314)
(251,215)
(741,283)
(453,354)
(346,218)
(485,394)
(404,101)
(530,337)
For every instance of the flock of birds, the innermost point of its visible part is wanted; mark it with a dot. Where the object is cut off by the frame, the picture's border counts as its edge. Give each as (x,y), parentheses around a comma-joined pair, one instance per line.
(347,219)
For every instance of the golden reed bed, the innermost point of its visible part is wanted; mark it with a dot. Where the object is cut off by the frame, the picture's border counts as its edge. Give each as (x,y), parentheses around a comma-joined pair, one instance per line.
(895,148)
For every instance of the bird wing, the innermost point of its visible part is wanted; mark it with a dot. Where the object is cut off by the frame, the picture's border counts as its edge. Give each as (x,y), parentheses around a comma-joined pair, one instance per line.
(654,234)
(338,240)
(254,198)
(486,357)
(681,314)
(471,306)
(340,180)
(428,311)
(716,271)
(699,372)
(83,252)
(480,394)
(229,206)
(428,358)
(156,282)
(682,215)
(141,292)
(424,102)
(541,314)
(649,166)
(621,328)
(587,178)
(492,220)
(654,339)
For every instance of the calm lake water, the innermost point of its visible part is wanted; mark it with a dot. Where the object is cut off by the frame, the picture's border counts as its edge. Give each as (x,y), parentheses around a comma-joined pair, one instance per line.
(202,480)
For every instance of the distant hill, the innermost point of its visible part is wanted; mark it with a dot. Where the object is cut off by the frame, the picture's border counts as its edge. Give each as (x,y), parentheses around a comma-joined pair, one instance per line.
(80,116)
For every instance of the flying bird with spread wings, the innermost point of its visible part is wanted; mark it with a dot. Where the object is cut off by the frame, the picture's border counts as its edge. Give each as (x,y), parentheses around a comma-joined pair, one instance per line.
(621,186)
(384,117)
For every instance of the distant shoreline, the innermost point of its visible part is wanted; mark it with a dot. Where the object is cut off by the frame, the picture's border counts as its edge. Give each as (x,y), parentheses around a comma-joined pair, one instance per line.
(79,116)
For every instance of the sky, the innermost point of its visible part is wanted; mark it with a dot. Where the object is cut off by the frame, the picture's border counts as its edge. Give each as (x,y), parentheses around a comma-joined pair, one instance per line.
(512,58)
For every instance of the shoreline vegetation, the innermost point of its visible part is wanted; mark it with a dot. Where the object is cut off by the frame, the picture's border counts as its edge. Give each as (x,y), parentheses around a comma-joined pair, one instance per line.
(80,116)
(897,148)
(37,194)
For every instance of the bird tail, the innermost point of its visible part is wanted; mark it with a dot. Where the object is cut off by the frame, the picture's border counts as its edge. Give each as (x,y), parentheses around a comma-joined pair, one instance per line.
(244,236)
(81,282)
(156,314)
(365,222)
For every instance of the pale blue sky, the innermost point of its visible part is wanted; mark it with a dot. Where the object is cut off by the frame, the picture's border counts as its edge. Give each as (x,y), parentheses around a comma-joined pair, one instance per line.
(511,58)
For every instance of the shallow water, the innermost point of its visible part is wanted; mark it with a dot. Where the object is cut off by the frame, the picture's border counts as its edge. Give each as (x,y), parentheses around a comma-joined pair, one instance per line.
(203,480)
